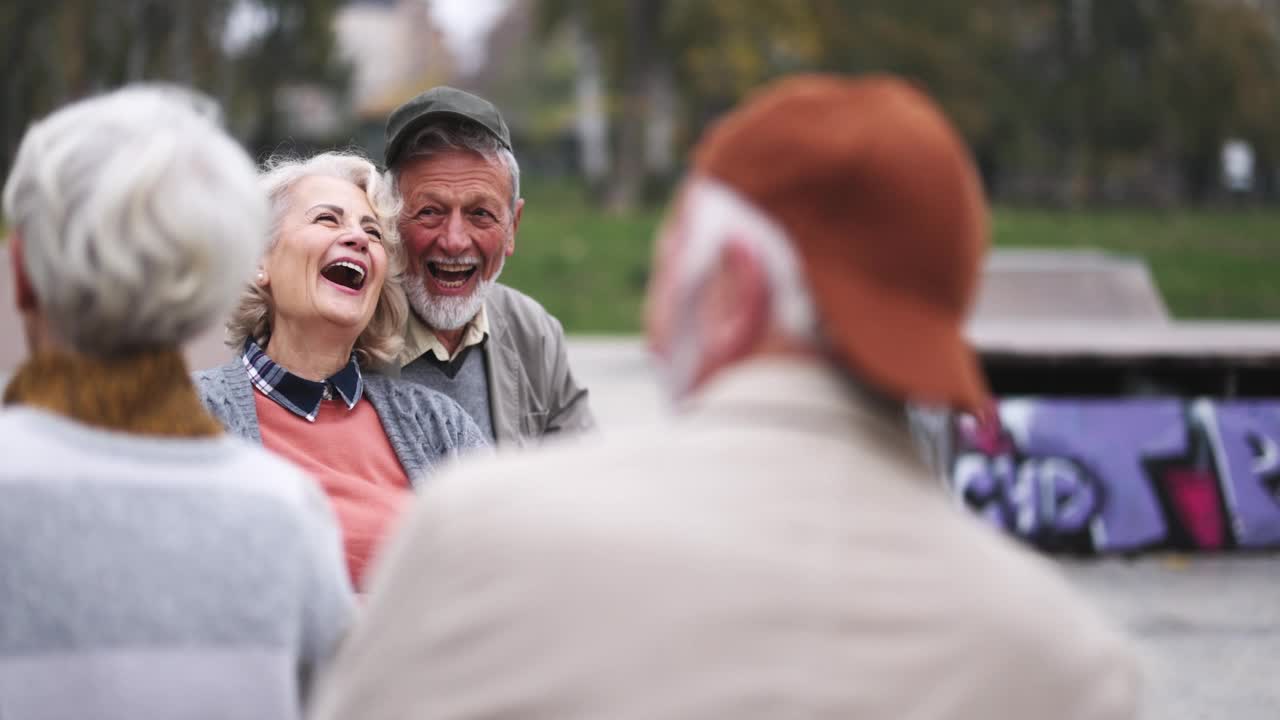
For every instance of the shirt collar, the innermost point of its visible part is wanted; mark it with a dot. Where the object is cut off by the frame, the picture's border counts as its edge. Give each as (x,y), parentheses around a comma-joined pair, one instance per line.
(298,395)
(420,339)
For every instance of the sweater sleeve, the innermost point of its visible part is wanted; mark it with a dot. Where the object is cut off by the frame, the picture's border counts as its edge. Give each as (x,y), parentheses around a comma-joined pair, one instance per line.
(466,433)
(453,428)
(569,410)
(425,427)
(231,405)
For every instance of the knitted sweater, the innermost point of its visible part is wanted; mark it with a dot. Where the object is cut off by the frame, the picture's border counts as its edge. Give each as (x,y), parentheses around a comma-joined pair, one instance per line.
(424,427)
(159,577)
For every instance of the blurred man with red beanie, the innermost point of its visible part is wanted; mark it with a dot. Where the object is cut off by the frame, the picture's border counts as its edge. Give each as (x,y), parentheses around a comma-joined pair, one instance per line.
(779,551)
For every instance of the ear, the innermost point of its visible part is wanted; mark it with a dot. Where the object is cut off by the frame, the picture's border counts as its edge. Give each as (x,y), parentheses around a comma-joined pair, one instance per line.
(25,295)
(262,279)
(515,225)
(736,312)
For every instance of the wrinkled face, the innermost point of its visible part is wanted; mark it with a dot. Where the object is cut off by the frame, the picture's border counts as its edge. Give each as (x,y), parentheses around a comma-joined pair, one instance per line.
(328,264)
(458,228)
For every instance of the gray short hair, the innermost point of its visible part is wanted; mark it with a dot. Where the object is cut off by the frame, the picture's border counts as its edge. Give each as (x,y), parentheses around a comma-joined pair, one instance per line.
(140,218)
(459,134)
(381,341)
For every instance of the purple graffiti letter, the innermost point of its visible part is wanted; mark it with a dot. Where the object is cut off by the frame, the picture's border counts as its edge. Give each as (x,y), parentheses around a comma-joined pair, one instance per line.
(1245,437)
(1110,438)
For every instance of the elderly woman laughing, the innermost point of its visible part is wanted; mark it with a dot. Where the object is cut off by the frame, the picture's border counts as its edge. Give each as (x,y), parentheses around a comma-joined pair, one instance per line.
(325,306)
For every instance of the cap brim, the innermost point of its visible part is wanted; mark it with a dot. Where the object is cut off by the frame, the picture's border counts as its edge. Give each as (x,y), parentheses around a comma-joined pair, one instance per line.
(896,343)
(396,146)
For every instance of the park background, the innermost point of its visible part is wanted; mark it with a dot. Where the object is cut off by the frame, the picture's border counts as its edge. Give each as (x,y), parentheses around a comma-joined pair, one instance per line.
(1146,128)
(1101,124)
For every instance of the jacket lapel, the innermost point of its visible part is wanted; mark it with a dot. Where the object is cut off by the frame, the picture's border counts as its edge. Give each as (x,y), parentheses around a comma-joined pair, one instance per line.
(506,382)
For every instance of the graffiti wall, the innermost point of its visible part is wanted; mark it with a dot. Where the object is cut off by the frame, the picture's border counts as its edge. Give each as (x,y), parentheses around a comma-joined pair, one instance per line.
(1123,475)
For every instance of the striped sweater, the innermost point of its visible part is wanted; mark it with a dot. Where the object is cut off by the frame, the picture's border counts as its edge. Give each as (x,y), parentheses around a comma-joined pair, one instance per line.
(146,577)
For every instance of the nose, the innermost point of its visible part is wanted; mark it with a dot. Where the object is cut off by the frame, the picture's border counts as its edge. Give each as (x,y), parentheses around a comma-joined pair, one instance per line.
(454,239)
(355,240)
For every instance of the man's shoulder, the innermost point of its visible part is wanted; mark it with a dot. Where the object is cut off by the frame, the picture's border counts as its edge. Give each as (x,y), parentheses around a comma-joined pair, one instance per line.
(1021,609)
(515,312)
(667,496)
(658,472)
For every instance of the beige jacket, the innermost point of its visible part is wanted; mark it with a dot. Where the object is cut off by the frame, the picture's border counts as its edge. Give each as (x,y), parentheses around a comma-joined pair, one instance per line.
(532,392)
(778,553)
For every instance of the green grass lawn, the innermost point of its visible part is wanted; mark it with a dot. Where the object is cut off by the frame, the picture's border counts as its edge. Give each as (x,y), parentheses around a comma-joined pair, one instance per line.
(589,268)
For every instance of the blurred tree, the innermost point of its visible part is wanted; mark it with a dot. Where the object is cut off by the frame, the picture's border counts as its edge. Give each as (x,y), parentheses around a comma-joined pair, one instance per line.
(1222,80)
(1067,101)
(1133,100)
(294,44)
(58,51)
(624,42)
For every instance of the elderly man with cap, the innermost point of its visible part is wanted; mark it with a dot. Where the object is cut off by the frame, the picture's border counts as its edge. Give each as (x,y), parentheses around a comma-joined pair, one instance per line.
(779,551)
(496,351)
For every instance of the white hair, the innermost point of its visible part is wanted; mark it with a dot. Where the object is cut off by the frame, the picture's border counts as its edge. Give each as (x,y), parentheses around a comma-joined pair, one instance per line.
(140,218)
(713,215)
(381,339)
(459,134)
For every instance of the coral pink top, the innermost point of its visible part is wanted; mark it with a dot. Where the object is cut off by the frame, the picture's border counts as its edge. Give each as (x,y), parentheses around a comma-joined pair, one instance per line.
(348,454)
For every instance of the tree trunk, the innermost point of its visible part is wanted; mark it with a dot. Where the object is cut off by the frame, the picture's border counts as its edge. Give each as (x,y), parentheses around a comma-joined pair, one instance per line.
(661,131)
(180,43)
(139,37)
(643,17)
(592,124)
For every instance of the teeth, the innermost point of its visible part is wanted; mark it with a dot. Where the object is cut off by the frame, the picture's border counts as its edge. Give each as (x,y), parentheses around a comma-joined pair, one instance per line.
(454,268)
(352,266)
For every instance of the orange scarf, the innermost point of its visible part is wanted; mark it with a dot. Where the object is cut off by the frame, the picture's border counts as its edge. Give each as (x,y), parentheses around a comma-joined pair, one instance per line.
(144,393)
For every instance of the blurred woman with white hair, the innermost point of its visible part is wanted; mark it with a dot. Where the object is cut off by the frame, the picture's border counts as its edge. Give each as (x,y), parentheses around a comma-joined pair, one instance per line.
(153,566)
(325,307)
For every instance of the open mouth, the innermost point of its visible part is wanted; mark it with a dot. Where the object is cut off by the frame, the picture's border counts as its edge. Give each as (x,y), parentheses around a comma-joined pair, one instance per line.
(344,273)
(452,274)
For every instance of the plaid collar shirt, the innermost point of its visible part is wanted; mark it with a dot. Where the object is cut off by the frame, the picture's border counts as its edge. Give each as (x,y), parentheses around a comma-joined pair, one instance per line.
(300,396)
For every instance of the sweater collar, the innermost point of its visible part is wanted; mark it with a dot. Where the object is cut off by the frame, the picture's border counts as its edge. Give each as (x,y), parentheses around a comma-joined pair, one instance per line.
(143,393)
(298,395)
(806,393)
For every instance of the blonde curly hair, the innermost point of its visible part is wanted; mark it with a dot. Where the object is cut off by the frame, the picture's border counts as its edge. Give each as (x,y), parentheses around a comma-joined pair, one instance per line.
(382,339)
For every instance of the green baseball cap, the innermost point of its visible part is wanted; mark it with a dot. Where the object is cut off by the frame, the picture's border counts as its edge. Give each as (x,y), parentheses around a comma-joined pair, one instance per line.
(435,104)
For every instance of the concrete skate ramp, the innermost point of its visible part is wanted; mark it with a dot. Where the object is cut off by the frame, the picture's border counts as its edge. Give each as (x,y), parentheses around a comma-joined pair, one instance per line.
(1077,285)
(1074,305)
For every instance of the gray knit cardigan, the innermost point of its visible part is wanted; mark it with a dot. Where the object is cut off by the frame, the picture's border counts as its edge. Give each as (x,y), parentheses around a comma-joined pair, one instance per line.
(425,427)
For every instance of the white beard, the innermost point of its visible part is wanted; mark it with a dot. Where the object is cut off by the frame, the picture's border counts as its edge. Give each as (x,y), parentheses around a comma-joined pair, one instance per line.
(447,312)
